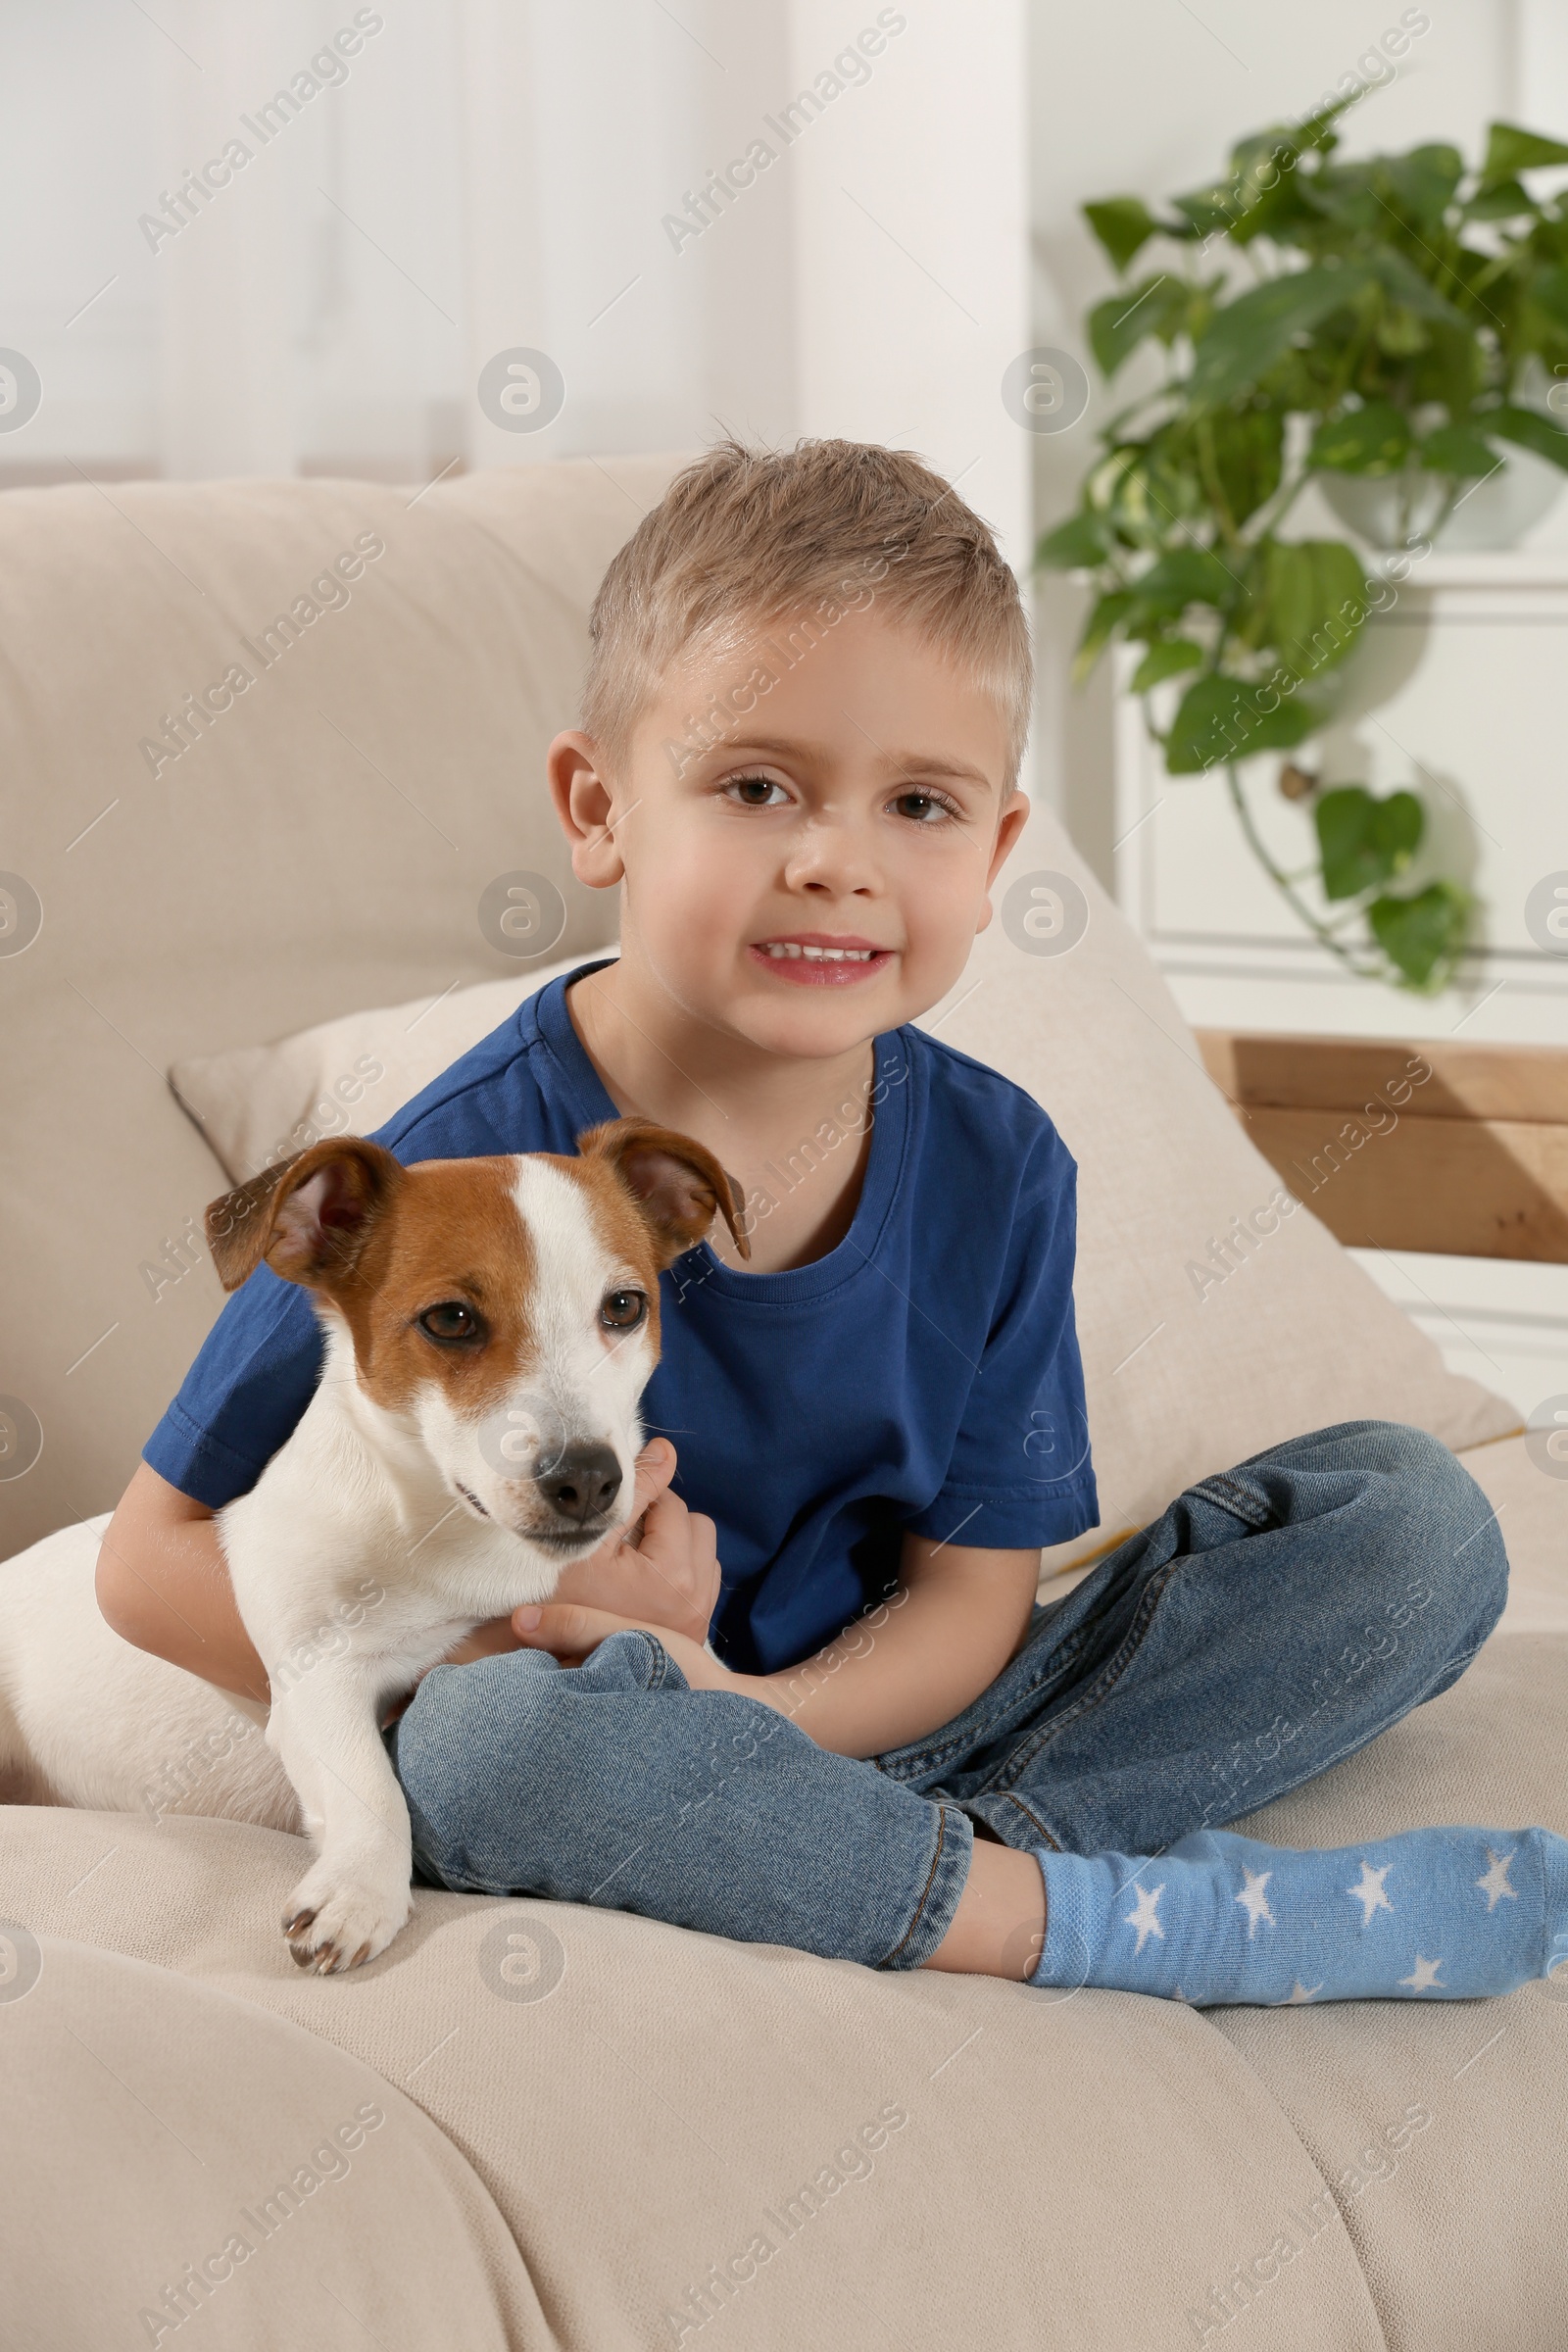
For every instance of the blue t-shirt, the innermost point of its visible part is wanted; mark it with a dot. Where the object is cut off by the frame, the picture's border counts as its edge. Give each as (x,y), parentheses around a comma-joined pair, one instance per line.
(924,1374)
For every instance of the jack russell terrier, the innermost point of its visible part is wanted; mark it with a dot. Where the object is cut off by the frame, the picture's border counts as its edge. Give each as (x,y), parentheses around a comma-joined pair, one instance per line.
(490,1325)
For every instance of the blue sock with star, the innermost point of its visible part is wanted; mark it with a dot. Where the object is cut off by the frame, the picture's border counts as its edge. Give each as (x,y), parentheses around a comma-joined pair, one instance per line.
(1446,1914)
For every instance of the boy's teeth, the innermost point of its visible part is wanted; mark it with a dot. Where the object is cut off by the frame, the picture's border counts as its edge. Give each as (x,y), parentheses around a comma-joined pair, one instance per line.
(790,946)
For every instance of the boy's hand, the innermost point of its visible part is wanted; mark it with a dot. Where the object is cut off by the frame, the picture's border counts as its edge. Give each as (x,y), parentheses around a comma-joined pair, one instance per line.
(662,1573)
(571,1632)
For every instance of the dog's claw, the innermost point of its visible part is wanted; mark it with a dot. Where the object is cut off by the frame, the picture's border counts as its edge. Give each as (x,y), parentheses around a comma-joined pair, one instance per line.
(332,1932)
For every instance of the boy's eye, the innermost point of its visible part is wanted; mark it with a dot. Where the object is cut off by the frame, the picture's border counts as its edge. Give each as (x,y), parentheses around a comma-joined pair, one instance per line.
(924,807)
(452,1323)
(753,792)
(622,1310)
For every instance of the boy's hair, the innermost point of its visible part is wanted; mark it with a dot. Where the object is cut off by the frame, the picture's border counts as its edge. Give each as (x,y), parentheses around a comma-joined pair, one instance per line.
(754,537)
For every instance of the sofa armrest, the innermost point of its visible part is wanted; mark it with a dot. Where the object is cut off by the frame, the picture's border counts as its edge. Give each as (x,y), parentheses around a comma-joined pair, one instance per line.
(1409,1144)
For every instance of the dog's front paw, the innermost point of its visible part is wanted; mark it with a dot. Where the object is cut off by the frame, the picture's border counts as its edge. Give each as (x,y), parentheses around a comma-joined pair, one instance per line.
(332,1924)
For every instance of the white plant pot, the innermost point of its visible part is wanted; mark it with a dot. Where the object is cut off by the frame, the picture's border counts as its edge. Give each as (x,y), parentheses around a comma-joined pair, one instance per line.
(1494,513)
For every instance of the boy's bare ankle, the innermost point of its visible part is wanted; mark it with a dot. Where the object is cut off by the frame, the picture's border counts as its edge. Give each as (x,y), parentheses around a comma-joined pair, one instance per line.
(998,1929)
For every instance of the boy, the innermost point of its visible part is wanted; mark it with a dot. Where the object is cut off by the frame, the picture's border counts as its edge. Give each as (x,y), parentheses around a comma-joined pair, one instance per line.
(803,719)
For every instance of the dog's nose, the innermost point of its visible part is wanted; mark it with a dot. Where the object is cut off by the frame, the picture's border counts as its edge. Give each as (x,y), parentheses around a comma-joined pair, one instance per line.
(581,1482)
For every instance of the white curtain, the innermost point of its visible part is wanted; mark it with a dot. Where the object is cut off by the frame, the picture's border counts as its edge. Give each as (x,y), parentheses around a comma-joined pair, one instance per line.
(453,179)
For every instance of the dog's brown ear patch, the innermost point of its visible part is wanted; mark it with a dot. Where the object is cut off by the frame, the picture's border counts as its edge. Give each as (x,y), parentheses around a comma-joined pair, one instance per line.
(309,1218)
(677,1184)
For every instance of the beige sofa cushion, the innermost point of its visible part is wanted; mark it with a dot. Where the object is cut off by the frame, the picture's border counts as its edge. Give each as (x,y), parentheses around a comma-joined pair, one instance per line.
(645,2104)
(1439,2129)
(1185,1375)
(323,844)
(650,2104)
(1533,1514)
(161,2134)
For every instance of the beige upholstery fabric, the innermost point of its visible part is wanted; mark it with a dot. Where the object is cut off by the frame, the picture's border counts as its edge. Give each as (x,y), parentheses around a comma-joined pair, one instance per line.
(1533,1513)
(1457,2228)
(1183,1377)
(324,846)
(644,2104)
(285,2192)
(345,1077)
(669,2100)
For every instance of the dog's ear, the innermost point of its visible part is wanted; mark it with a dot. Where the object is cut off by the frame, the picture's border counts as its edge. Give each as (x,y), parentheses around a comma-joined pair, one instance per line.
(677,1184)
(309,1218)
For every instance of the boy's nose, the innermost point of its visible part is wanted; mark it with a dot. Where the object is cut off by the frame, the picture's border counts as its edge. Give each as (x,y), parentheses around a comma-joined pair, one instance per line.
(835,861)
(581,1482)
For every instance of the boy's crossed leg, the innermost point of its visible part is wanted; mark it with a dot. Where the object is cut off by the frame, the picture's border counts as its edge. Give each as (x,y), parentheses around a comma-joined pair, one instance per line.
(615,1784)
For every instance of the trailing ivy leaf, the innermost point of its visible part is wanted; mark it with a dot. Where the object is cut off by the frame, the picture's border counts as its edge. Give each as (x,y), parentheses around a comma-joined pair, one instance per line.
(1530,430)
(1350,196)
(1423,181)
(1285,213)
(1404,284)
(1209,211)
(1510,149)
(1220,720)
(1261,187)
(1076,545)
(1166,658)
(1251,620)
(1158,306)
(1187,575)
(1549,290)
(1370,440)
(1460,450)
(1364,842)
(1422,935)
(1505,202)
(1401,334)
(1245,338)
(1107,611)
(1123,224)
(1318,601)
(1249,449)
(1317,132)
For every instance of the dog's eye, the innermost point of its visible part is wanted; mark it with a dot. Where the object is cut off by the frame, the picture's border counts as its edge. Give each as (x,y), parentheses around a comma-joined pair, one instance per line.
(452,1320)
(622,1310)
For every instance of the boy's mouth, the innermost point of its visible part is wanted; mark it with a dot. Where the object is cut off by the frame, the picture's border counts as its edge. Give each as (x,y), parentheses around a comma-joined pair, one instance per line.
(820,959)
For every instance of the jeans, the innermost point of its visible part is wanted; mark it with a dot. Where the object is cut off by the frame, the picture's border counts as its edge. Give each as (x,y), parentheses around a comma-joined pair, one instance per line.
(1270,1622)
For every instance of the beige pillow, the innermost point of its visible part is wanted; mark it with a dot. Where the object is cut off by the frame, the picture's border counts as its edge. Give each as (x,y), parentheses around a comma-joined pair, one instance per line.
(1187,1371)
(345,1077)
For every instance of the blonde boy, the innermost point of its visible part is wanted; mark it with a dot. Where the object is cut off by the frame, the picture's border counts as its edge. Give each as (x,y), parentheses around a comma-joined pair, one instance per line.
(802,724)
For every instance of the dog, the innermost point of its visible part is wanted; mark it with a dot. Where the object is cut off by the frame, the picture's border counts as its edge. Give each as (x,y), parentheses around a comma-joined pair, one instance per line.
(490,1326)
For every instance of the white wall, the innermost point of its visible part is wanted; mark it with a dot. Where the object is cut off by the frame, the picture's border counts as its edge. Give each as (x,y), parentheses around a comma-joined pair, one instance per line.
(497,173)
(503,173)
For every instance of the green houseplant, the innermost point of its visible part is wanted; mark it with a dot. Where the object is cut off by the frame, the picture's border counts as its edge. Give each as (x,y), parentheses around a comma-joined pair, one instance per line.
(1394,313)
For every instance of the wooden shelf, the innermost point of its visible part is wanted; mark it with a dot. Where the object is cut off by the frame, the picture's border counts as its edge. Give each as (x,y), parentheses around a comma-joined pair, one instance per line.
(1396,1143)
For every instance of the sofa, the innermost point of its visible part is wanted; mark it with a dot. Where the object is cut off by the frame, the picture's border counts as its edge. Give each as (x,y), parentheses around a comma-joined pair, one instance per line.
(533,2126)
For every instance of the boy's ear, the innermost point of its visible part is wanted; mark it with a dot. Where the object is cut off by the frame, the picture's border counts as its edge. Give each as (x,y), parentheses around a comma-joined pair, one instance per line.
(1011,823)
(584,802)
(677,1184)
(309,1218)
